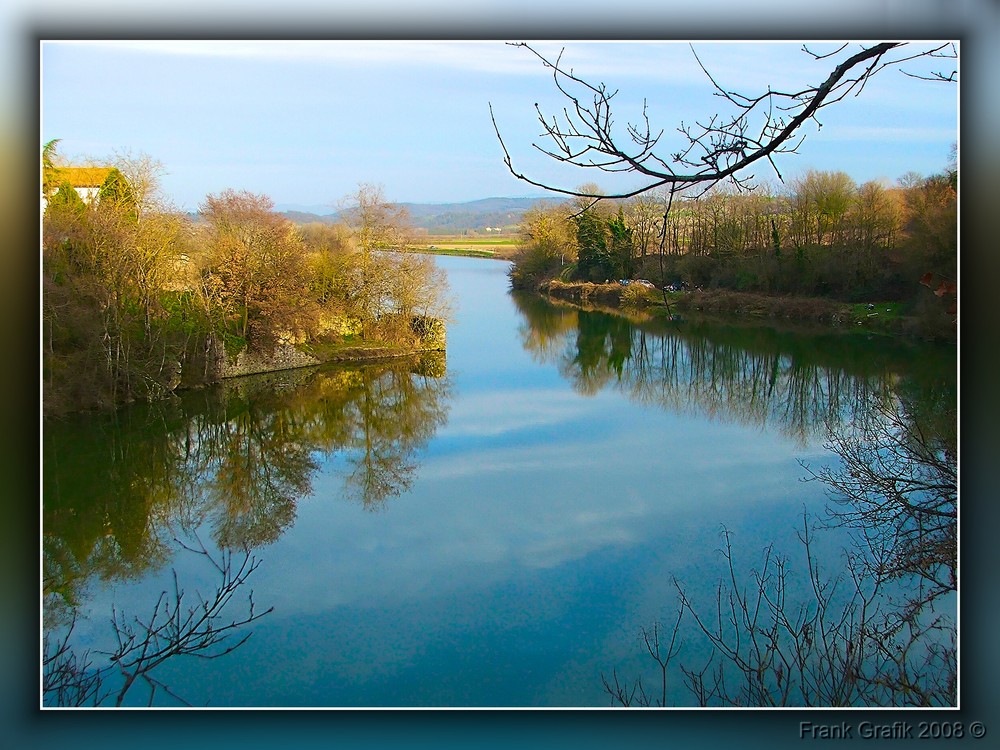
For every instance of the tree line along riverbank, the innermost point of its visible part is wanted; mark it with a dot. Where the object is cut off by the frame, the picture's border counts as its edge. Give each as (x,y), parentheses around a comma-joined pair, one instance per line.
(824,250)
(885,317)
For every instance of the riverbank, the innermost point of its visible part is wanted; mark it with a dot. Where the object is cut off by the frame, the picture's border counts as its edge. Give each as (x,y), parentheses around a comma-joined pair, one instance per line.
(217,364)
(289,357)
(425,335)
(460,252)
(890,318)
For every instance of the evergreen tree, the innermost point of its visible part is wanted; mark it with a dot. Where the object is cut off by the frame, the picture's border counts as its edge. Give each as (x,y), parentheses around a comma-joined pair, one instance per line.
(66,199)
(620,251)
(594,261)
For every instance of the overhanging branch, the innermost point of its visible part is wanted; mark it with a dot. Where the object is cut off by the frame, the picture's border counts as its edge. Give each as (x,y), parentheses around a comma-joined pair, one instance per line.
(722,148)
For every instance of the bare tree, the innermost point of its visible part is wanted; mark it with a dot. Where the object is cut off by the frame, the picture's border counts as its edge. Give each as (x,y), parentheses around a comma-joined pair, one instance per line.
(392,293)
(176,627)
(874,635)
(377,224)
(896,488)
(721,147)
(144,174)
(760,127)
(635,695)
(842,643)
(70,679)
(645,215)
(254,277)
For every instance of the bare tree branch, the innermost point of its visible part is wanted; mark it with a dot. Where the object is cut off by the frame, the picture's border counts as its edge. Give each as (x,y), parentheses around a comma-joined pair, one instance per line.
(720,148)
(174,628)
(846,643)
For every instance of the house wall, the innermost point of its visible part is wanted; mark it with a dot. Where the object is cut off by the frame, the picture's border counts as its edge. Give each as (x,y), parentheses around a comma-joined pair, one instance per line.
(87,193)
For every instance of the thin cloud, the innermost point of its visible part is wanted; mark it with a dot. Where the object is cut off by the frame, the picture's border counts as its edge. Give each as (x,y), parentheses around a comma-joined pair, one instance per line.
(597,61)
(512,411)
(487,56)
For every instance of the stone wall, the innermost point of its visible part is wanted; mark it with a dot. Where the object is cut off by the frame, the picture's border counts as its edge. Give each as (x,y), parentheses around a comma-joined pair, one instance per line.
(285,357)
(431,331)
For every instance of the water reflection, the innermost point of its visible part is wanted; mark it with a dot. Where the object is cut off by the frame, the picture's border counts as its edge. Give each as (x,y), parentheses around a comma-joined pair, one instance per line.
(407,607)
(886,411)
(118,488)
(176,624)
(799,384)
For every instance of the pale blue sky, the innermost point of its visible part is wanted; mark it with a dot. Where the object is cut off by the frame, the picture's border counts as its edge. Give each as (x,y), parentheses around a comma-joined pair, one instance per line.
(306,122)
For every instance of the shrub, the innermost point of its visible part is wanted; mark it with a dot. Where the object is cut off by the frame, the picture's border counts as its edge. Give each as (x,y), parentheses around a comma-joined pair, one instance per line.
(636,295)
(534,263)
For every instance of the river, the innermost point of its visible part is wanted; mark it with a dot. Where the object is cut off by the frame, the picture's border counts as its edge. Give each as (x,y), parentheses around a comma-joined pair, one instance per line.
(493,527)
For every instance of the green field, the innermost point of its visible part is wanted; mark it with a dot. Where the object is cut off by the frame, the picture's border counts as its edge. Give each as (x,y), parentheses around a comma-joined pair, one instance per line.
(476,247)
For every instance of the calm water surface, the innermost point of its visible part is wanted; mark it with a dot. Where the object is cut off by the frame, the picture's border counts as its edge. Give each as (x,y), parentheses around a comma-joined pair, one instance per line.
(491,528)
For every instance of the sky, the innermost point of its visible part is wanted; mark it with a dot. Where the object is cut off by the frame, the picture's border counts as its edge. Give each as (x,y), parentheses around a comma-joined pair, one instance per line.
(306,122)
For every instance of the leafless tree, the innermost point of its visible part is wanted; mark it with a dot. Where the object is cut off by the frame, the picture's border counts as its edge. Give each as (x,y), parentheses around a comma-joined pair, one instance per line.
(844,643)
(873,635)
(635,695)
(144,174)
(254,275)
(175,627)
(70,679)
(810,654)
(723,146)
(896,488)
(377,224)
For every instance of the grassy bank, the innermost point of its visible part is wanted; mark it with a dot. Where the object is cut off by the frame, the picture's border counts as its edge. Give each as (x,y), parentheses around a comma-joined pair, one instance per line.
(882,317)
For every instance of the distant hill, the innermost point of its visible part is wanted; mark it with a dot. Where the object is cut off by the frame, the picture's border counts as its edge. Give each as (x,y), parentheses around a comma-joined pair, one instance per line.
(444,218)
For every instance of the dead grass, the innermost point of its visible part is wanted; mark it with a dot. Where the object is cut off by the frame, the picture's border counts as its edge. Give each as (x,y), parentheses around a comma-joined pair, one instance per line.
(807,309)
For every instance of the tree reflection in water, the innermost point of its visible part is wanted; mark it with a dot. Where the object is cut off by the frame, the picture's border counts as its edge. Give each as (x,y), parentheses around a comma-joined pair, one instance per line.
(236,459)
(887,411)
(177,624)
(756,376)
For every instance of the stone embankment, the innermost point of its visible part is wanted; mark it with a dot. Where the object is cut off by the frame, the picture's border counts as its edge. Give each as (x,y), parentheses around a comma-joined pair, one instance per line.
(284,357)
(430,332)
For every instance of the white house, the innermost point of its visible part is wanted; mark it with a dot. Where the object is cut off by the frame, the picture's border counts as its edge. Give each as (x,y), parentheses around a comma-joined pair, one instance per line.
(86,181)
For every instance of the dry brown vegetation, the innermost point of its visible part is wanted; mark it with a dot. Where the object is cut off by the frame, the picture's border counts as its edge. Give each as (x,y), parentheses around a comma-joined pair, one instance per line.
(138,299)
